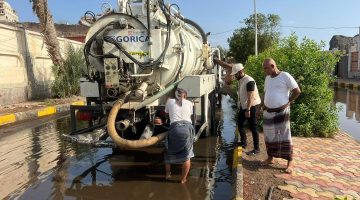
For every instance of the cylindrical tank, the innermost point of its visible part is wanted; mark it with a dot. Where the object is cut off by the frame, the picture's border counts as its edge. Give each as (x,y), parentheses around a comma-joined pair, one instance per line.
(129,49)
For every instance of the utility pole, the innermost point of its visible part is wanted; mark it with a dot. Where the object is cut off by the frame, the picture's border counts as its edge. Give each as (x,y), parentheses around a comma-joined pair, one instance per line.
(256,46)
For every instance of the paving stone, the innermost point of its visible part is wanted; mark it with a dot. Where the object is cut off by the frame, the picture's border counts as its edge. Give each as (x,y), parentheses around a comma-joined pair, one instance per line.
(357,179)
(325,178)
(351,161)
(320,182)
(348,197)
(348,158)
(331,160)
(307,163)
(303,167)
(309,191)
(314,186)
(337,168)
(300,195)
(350,174)
(319,198)
(352,170)
(303,179)
(308,175)
(335,172)
(331,171)
(352,193)
(319,169)
(334,190)
(328,174)
(313,172)
(299,170)
(344,177)
(326,194)
(290,188)
(344,182)
(337,185)
(354,187)
(295,183)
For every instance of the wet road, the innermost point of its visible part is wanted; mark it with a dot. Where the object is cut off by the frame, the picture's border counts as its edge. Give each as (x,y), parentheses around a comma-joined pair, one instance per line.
(35,163)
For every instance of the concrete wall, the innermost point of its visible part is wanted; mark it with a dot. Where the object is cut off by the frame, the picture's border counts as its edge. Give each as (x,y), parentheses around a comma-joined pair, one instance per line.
(25,67)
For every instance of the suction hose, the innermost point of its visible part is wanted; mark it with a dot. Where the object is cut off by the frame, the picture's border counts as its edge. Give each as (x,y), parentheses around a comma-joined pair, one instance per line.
(121,142)
(134,144)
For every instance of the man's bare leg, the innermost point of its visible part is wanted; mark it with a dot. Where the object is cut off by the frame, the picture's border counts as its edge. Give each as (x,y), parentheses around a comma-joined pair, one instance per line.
(268,161)
(290,167)
(185,170)
(167,171)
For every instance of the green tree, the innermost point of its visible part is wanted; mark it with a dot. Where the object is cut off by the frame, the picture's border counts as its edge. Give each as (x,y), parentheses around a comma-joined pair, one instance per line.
(313,113)
(242,41)
(67,74)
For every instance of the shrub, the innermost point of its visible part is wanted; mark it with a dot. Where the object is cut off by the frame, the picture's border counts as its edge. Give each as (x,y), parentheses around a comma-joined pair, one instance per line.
(313,113)
(67,74)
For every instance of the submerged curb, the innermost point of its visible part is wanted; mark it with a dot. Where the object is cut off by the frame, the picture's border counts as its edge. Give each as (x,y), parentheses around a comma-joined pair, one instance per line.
(35,114)
(238,173)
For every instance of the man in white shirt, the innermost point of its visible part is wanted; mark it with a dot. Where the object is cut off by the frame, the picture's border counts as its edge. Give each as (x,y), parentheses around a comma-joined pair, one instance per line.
(276,105)
(179,141)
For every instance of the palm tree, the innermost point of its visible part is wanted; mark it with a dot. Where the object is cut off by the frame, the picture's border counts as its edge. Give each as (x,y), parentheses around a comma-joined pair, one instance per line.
(40,7)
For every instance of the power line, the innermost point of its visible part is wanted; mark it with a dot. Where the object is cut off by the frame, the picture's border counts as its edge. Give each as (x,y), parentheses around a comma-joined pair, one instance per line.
(231,30)
(322,28)
(298,27)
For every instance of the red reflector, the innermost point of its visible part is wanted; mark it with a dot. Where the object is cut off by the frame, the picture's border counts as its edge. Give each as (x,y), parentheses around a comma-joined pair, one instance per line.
(83,116)
(162,113)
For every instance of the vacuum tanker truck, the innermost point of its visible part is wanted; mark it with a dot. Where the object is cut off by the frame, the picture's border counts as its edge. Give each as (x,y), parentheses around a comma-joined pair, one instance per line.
(136,55)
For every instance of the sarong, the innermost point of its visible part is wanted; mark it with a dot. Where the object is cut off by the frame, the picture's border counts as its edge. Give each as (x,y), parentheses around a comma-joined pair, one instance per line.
(278,134)
(179,142)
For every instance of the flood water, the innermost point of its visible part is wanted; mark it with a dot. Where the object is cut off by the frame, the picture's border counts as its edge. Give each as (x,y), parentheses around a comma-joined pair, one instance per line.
(349,116)
(35,163)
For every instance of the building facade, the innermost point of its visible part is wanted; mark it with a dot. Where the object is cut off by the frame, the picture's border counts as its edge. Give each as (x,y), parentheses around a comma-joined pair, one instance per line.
(349,65)
(7,14)
(354,61)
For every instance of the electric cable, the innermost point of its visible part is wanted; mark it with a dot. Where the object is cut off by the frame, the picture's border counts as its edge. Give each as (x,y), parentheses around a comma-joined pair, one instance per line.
(298,27)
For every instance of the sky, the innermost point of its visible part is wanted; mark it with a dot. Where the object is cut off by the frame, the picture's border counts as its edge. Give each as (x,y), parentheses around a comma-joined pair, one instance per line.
(221,18)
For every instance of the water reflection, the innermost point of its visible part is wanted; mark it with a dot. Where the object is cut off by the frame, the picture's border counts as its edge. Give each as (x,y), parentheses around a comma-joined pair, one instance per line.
(223,172)
(349,116)
(37,164)
(28,156)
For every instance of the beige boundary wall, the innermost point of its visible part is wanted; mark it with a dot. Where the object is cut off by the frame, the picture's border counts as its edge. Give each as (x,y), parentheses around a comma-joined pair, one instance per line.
(25,67)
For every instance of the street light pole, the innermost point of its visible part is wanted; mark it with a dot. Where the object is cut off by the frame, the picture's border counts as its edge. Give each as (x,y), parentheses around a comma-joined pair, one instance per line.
(256,46)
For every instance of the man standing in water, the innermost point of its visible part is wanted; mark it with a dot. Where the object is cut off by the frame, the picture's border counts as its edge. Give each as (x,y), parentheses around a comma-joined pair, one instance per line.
(248,100)
(277,88)
(180,139)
